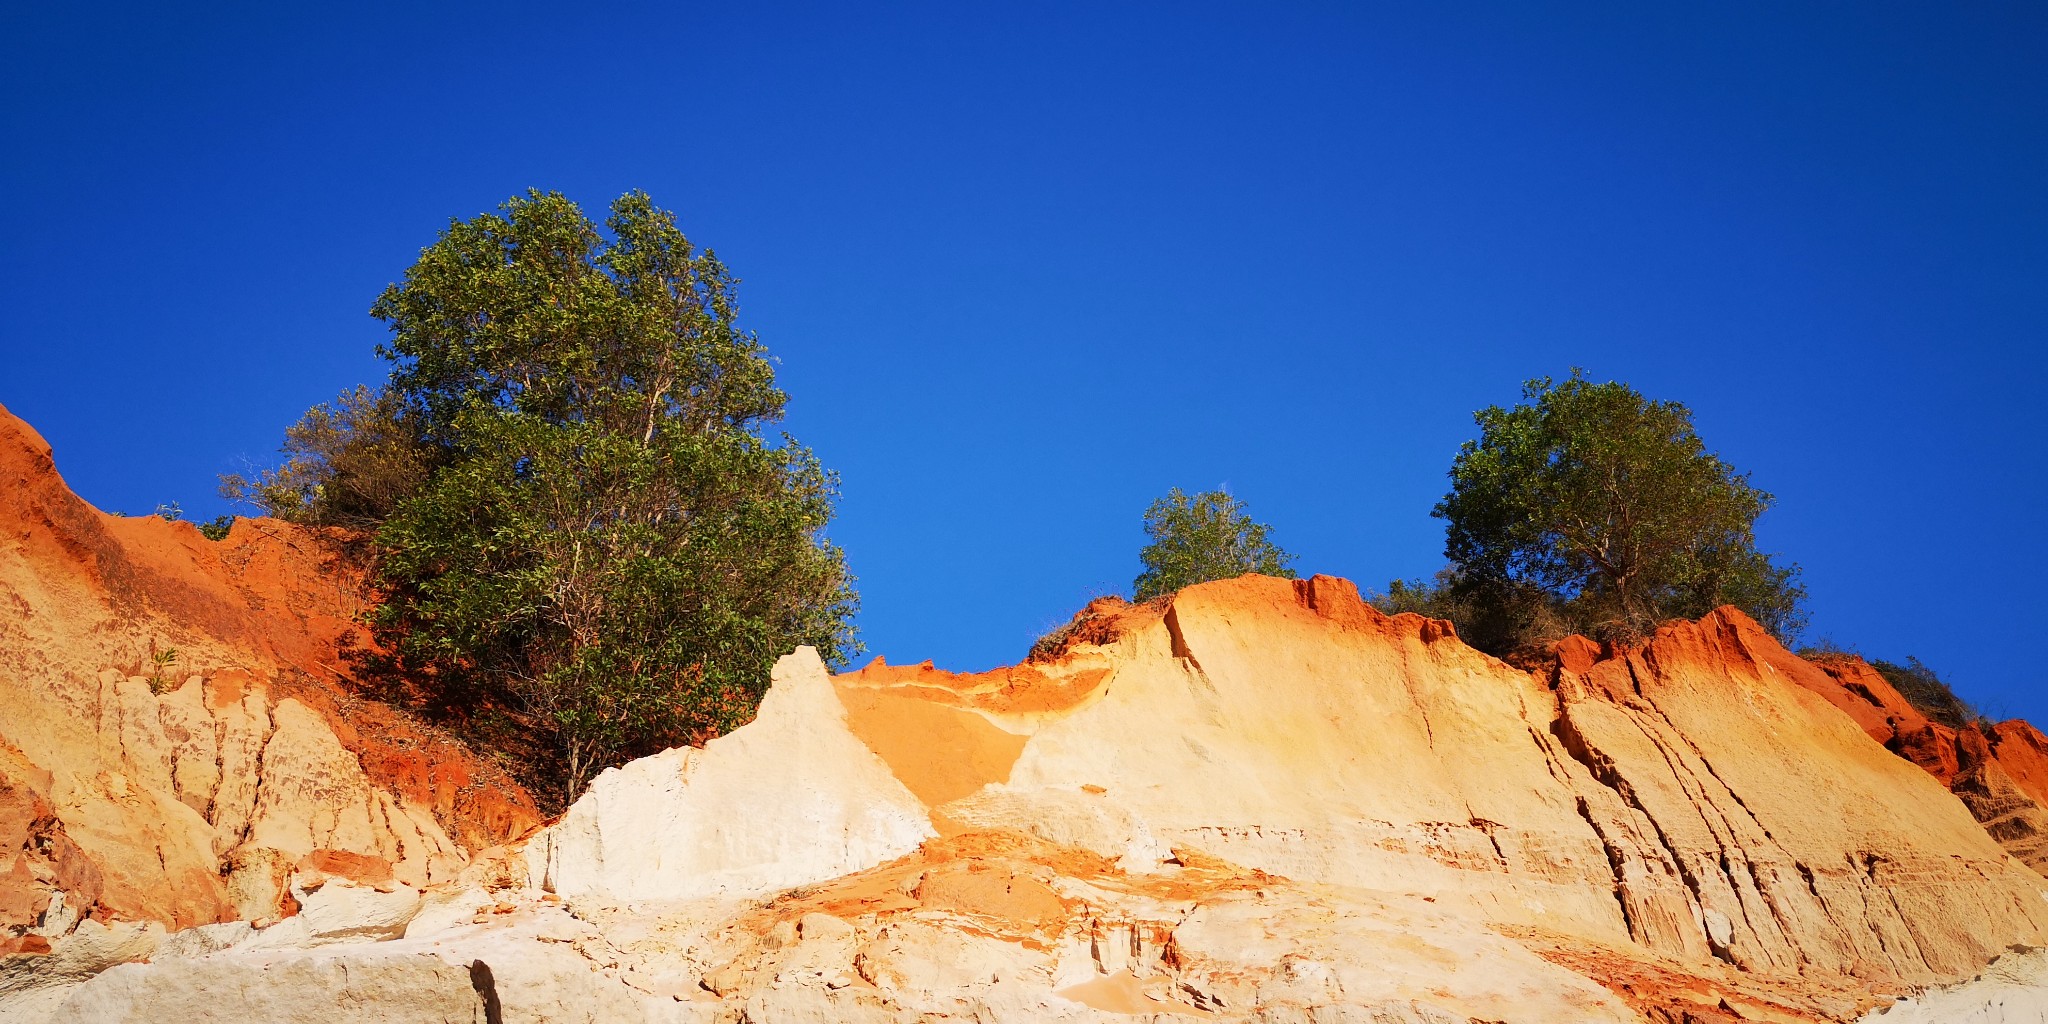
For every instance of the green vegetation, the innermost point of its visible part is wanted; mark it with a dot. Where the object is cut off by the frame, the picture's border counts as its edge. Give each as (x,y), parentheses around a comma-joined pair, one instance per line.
(588,549)
(213,529)
(1590,508)
(1201,537)
(1432,597)
(1926,691)
(1915,680)
(160,662)
(348,463)
(1587,508)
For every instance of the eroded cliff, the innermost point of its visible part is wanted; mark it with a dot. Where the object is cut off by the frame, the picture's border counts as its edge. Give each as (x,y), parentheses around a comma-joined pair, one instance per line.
(1257,800)
(188,792)
(1999,771)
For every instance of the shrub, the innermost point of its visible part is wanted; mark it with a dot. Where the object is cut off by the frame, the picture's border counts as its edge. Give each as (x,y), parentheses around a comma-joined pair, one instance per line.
(1202,537)
(1514,621)
(1431,597)
(350,462)
(160,662)
(1925,690)
(1054,642)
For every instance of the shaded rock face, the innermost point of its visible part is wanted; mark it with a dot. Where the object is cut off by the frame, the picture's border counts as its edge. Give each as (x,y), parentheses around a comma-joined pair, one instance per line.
(1999,771)
(188,792)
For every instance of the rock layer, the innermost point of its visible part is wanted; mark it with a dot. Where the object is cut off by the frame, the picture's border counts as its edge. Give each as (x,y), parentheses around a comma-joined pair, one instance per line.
(1256,800)
(2000,771)
(791,799)
(1259,800)
(187,790)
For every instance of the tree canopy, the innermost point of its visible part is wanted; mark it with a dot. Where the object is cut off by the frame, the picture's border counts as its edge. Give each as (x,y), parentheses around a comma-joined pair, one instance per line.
(349,463)
(1202,537)
(581,531)
(1593,507)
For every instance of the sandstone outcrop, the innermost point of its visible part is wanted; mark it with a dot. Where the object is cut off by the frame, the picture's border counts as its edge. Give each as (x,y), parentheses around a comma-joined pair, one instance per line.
(188,789)
(791,799)
(2013,990)
(1999,771)
(1258,800)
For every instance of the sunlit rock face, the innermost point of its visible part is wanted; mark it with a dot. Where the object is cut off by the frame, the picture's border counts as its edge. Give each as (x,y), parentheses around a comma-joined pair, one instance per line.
(793,798)
(1694,797)
(1999,771)
(1257,800)
(176,739)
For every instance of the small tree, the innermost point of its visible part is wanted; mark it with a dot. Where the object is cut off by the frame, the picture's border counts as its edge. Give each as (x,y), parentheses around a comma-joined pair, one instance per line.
(1607,507)
(349,462)
(1202,537)
(627,595)
(1436,598)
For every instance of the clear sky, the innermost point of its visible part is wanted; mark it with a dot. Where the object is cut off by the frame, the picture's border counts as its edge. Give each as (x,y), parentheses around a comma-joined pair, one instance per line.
(1027,269)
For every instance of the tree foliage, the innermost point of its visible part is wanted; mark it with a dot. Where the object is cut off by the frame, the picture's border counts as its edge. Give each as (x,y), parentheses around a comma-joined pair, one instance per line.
(1502,619)
(1202,537)
(1437,597)
(582,532)
(628,595)
(1594,508)
(349,462)
(538,312)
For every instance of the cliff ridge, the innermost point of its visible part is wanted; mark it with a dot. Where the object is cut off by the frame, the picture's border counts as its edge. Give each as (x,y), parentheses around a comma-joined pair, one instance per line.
(1254,800)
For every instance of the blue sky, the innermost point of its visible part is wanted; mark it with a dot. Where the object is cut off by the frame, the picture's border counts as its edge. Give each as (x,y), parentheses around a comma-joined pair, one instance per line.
(1027,268)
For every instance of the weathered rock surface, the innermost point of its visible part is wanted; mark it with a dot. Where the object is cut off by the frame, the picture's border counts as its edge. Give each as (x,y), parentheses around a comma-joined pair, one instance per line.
(1685,796)
(2013,990)
(188,792)
(2000,772)
(791,799)
(1260,800)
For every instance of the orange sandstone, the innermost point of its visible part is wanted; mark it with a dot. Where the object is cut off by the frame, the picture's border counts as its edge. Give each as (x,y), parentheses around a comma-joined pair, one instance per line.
(185,792)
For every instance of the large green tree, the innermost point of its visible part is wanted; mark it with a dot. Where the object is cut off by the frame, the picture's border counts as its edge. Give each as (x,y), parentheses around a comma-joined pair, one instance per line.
(1201,537)
(1597,508)
(601,553)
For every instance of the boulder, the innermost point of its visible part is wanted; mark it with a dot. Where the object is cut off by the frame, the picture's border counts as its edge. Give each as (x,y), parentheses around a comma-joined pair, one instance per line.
(787,799)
